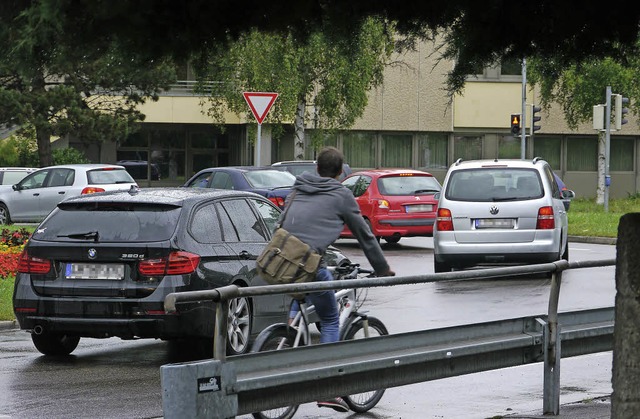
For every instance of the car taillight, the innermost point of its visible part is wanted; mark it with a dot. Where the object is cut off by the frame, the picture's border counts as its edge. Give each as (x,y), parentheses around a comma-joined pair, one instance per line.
(383,204)
(546,220)
(444,221)
(91,189)
(279,201)
(32,265)
(177,263)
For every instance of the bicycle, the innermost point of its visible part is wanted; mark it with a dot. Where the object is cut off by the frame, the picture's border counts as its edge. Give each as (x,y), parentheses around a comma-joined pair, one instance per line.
(354,324)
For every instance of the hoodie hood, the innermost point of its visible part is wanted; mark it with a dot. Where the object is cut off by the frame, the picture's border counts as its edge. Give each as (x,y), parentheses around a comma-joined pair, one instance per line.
(312,183)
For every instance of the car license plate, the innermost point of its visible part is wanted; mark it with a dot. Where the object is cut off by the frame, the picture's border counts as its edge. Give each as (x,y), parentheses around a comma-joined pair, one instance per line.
(419,208)
(495,222)
(95,271)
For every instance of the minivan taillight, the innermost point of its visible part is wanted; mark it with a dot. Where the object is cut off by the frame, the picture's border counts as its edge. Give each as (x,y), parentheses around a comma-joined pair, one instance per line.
(32,265)
(177,263)
(546,220)
(444,222)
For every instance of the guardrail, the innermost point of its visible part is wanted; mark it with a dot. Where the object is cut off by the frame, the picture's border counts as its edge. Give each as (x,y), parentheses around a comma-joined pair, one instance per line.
(225,387)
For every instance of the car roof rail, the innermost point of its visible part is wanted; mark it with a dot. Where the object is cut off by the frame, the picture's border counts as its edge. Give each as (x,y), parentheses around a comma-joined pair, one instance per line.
(536,159)
(458,161)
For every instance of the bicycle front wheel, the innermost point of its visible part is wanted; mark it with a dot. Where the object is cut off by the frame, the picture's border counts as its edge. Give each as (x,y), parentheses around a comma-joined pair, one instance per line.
(276,338)
(363,402)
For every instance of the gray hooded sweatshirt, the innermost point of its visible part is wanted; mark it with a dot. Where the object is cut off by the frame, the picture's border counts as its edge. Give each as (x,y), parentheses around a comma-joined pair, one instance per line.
(320,208)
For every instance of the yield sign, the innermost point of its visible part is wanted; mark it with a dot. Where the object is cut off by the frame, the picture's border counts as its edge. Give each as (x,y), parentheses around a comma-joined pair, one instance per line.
(260,103)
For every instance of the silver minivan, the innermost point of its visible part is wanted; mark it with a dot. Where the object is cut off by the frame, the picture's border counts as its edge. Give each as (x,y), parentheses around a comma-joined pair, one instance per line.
(500,212)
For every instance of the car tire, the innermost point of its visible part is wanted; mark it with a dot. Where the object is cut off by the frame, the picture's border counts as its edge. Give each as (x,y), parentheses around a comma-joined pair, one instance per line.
(371,229)
(5,218)
(239,326)
(439,267)
(392,239)
(55,343)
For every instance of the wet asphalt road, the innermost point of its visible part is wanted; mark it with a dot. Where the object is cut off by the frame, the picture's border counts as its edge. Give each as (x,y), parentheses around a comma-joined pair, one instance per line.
(119,379)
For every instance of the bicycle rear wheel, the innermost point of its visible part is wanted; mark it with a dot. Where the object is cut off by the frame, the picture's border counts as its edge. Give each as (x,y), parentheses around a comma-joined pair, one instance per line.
(275,338)
(363,402)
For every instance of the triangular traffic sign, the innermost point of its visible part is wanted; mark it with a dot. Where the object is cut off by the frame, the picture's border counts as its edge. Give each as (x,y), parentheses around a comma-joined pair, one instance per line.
(260,103)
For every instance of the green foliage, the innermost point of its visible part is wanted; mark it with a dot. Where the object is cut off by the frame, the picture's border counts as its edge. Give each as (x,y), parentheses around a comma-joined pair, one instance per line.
(68,156)
(328,77)
(57,85)
(578,87)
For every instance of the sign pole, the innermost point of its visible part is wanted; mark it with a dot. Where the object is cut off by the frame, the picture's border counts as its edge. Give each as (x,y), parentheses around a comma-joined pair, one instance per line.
(257,157)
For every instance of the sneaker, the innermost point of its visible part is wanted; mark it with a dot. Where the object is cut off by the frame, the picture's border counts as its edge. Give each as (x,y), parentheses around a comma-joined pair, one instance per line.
(336,404)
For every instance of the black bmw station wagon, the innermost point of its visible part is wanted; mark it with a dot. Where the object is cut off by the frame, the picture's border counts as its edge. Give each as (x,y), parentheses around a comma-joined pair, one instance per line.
(101,265)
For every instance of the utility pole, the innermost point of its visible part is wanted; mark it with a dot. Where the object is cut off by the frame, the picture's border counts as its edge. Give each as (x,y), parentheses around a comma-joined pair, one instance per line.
(607,146)
(523,131)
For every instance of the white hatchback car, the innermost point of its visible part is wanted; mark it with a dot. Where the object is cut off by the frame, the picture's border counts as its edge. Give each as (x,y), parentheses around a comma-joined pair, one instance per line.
(35,196)
(499,211)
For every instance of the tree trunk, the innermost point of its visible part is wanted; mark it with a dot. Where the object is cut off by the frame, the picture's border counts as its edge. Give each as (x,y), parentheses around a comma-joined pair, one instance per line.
(298,150)
(625,402)
(43,136)
(601,169)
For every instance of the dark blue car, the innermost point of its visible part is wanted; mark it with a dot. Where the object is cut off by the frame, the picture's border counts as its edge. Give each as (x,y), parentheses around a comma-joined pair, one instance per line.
(273,184)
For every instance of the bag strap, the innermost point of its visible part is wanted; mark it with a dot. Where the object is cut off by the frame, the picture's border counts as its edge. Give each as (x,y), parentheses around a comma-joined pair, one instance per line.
(284,213)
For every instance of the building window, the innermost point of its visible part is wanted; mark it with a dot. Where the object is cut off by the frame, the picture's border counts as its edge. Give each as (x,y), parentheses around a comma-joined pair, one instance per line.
(511,67)
(433,151)
(582,154)
(467,148)
(359,149)
(621,155)
(509,147)
(548,148)
(396,151)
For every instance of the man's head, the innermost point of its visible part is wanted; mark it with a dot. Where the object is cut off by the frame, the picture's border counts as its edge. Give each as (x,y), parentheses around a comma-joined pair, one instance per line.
(330,162)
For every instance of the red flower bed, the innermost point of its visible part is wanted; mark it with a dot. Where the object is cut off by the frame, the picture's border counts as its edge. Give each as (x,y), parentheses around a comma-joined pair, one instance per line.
(11,244)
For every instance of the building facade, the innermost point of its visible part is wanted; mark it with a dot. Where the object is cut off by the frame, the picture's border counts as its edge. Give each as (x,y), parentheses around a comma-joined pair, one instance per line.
(410,121)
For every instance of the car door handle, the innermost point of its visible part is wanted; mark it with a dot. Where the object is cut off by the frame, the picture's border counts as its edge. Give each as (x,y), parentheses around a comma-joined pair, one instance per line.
(36,194)
(60,192)
(245,255)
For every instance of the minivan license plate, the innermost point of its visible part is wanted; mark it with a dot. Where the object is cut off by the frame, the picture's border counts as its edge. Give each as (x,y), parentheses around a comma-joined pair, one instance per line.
(495,222)
(94,271)
(419,208)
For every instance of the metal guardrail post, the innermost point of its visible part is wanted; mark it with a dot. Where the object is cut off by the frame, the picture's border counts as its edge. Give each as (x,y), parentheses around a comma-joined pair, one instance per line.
(220,333)
(551,391)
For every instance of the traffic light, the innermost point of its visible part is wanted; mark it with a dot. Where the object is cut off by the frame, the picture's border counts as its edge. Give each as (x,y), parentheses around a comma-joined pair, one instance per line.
(620,112)
(515,123)
(535,117)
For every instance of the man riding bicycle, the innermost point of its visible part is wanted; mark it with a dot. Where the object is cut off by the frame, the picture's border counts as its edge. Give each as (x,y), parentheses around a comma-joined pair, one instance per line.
(316,215)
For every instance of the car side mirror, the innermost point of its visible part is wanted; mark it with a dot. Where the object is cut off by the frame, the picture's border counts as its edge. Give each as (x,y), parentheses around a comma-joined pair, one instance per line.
(436,196)
(568,194)
(17,187)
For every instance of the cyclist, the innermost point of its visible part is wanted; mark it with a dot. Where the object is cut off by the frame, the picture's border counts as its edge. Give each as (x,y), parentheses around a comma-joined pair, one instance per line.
(317,214)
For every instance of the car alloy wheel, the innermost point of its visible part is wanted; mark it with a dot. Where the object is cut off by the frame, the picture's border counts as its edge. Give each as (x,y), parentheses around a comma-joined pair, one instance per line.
(239,326)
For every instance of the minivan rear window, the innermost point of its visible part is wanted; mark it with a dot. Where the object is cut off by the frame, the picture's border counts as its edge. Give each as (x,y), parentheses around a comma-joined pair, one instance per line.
(113,222)
(494,184)
(408,185)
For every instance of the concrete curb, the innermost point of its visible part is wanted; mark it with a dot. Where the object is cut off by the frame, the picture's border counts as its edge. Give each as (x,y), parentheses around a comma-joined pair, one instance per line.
(594,240)
(10,324)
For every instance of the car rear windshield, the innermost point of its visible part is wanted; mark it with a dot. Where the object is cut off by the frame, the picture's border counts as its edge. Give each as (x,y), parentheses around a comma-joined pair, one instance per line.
(108,176)
(408,184)
(494,184)
(113,222)
(269,178)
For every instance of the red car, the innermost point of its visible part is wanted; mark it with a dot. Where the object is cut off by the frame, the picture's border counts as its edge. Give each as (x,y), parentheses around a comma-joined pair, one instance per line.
(395,202)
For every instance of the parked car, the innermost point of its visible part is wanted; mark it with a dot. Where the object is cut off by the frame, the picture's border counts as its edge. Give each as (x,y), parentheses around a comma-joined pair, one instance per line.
(101,266)
(395,202)
(12,175)
(499,211)
(266,181)
(139,169)
(31,199)
(298,167)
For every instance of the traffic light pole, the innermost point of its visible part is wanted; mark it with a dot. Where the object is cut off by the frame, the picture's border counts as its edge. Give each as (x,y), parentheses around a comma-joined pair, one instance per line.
(523,118)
